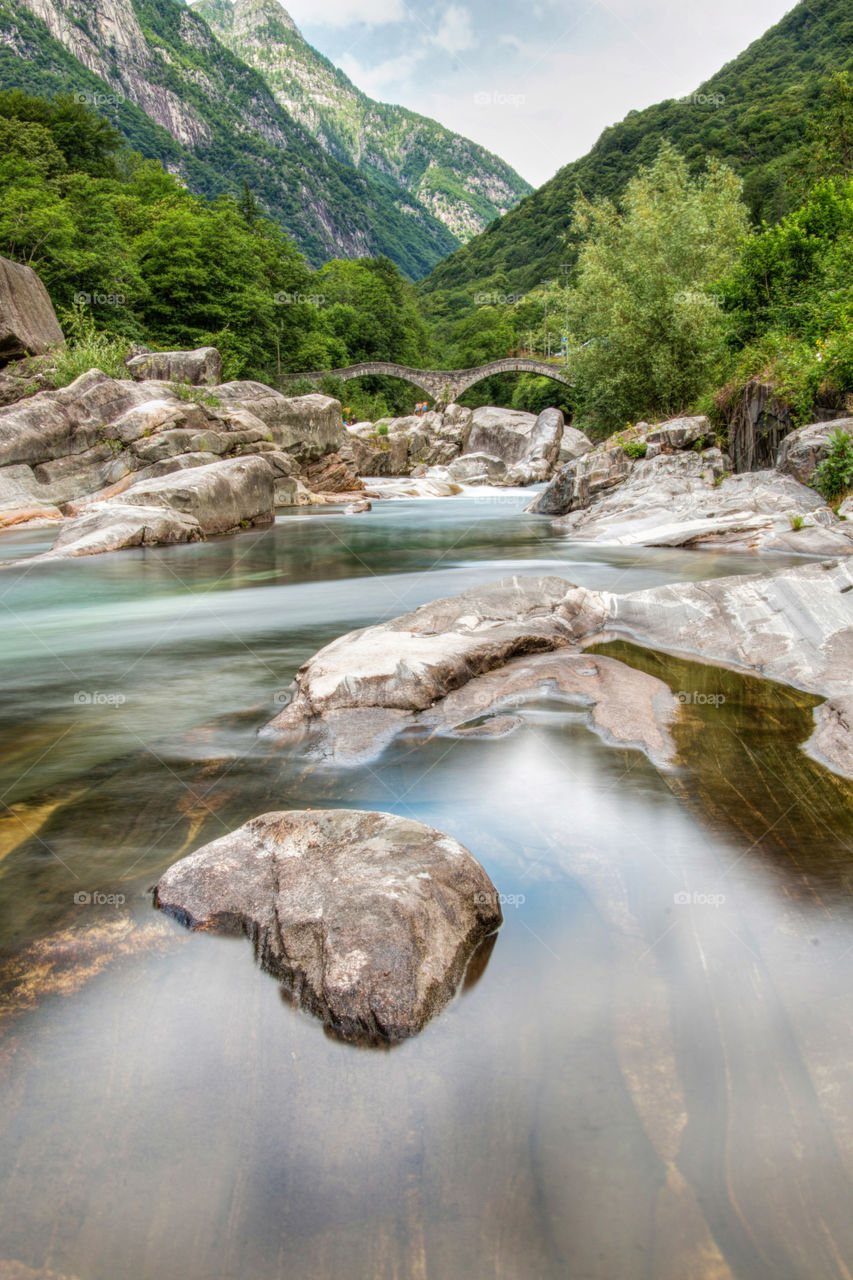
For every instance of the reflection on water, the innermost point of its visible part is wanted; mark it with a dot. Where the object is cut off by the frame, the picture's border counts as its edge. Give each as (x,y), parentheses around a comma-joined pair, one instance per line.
(648,1079)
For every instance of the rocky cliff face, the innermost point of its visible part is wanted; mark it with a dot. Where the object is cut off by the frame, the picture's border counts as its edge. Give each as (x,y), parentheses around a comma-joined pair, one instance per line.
(155,68)
(461,184)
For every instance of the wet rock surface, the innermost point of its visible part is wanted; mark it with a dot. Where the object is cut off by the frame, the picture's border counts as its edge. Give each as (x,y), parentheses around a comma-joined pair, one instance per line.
(368,919)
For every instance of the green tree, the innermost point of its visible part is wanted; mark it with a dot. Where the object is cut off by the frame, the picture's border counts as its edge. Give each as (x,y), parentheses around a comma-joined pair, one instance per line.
(646,329)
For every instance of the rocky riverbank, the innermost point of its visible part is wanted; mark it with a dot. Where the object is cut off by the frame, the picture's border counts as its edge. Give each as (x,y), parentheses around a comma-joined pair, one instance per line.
(470,658)
(672,485)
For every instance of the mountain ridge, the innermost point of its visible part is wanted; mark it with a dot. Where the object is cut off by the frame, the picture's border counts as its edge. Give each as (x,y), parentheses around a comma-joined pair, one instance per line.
(461,183)
(155,69)
(767,92)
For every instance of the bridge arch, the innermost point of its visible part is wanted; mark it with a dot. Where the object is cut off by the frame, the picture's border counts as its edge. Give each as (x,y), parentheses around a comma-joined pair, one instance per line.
(443,384)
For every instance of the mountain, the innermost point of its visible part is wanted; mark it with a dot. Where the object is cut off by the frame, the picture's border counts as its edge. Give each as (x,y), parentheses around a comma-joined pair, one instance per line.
(461,183)
(753,115)
(178,95)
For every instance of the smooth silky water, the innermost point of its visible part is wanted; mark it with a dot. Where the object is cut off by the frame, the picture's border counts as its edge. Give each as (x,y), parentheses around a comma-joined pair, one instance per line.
(647,1076)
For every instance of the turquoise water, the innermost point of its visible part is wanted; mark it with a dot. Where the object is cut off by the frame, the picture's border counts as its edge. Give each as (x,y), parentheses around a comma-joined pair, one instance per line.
(635,1085)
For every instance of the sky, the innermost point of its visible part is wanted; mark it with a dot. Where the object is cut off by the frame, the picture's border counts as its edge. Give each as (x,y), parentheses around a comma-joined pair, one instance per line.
(534,82)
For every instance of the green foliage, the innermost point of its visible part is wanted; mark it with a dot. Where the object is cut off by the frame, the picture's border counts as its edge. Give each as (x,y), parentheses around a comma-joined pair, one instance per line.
(382,429)
(834,476)
(243,135)
(195,395)
(791,302)
(796,523)
(647,336)
(85,348)
(754,115)
(635,448)
(132,255)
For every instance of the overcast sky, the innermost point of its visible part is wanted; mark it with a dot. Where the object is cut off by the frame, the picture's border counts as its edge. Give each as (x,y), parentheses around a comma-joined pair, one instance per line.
(535,82)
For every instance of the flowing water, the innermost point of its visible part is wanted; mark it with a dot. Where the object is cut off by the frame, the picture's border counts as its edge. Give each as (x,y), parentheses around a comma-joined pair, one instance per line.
(646,1077)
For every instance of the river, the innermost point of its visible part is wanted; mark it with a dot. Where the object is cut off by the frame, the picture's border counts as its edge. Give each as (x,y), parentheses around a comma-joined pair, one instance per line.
(646,1077)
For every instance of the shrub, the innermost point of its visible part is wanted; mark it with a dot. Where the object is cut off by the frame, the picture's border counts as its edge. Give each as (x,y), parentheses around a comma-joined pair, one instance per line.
(382,429)
(834,476)
(87,348)
(635,448)
(796,523)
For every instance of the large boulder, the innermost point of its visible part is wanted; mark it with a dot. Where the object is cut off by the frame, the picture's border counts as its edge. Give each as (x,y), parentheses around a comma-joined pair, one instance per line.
(184,506)
(579,483)
(199,367)
(28,323)
(802,452)
(543,449)
(691,499)
(501,433)
(387,671)
(450,663)
(308,427)
(475,468)
(573,445)
(682,433)
(367,919)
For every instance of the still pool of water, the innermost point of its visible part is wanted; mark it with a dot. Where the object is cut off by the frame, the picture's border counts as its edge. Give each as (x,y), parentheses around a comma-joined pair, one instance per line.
(646,1077)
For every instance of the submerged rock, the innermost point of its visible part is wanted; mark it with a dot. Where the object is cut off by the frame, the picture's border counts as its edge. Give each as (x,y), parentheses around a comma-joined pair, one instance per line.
(368,919)
(462,657)
(408,663)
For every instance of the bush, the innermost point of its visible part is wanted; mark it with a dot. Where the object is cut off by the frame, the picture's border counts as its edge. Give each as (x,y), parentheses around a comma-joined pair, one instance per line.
(86,349)
(834,476)
(382,429)
(635,448)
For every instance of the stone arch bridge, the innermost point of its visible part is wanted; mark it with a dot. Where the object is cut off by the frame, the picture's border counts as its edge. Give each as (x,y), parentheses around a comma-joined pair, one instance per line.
(444,385)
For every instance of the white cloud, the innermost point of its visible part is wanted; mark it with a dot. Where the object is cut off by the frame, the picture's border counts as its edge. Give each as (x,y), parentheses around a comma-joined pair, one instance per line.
(376,81)
(346,13)
(456,31)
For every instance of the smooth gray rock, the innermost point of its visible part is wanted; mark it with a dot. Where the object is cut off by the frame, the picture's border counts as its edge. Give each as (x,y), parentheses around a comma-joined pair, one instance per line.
(308,427)
(367,919)
(200,367)
(501,433)
(184,506)
(802,452)
(794,625)
(573,445)
(690,499)
(476,468)
(409,663)
(28,323)
(682,433)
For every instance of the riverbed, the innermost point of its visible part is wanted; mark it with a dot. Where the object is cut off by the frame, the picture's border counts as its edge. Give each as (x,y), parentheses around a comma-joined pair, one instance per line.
(646,1076)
